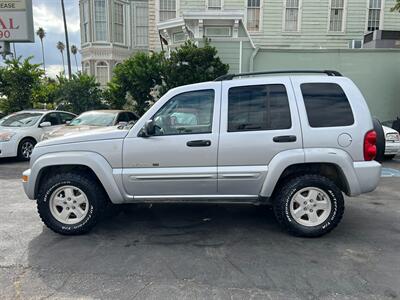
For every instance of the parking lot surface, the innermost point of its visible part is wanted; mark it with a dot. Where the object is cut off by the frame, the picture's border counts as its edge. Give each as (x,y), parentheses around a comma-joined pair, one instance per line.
(200,252)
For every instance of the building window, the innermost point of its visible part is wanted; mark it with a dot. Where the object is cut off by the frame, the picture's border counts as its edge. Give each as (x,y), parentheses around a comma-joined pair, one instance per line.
(141,27)
(292,15)
(218,31)
(86,68)
(214,4)
(100,20)
(374,14)
(85,15)
(102,72)
(119,31)
(179,37)
(167,9)
(253,15)
(336,15)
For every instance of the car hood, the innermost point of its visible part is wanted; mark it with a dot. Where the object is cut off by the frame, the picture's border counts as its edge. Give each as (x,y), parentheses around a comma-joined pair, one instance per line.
(69,130)
(106,133)
(13,129)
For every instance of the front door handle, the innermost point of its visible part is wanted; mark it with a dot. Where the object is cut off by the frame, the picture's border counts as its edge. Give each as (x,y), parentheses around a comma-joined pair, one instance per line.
(285,139)
(199,143)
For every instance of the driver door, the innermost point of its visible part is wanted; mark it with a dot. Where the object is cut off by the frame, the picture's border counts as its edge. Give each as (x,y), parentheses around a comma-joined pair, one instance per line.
(181,157)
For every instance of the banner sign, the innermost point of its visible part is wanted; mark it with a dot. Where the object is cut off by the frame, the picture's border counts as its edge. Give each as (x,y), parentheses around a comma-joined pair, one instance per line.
(16,21)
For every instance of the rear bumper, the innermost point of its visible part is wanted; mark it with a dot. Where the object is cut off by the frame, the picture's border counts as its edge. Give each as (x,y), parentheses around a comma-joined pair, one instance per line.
(392,148)
(368,174)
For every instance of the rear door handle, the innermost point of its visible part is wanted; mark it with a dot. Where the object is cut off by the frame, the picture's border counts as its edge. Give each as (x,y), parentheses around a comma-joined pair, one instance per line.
(285,139)
(199,143)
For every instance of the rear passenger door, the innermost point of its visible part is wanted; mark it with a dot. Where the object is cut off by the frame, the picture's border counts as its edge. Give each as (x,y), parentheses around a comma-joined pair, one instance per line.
(259,119)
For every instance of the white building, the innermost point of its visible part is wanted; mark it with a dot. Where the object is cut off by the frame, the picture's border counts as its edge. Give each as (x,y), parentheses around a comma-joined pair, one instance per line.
(111,30)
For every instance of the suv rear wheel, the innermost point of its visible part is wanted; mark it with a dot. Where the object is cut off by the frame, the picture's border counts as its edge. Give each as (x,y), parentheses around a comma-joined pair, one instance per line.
(71,203)
(309,205)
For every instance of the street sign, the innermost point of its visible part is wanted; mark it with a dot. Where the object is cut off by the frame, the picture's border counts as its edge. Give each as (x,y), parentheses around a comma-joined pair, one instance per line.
(16,21)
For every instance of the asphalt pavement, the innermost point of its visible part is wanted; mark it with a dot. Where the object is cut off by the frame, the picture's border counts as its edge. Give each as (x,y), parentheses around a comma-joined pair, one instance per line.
(200,252)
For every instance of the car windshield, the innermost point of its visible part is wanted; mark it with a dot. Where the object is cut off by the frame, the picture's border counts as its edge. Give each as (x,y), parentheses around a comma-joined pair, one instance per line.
(94,119)
(25,119)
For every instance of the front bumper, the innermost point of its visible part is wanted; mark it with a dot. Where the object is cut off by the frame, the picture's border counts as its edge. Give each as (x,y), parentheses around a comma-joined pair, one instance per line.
(368,174)
(8,149)
(26,183)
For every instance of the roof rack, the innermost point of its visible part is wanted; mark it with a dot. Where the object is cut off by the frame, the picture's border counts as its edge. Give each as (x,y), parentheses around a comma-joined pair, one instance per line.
(231,76)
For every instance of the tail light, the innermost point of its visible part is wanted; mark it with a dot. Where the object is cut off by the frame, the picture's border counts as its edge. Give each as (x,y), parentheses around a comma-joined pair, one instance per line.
(370,145)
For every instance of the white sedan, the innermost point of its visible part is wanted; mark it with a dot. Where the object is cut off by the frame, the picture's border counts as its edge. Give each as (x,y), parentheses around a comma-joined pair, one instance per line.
(392,142)
(19,132)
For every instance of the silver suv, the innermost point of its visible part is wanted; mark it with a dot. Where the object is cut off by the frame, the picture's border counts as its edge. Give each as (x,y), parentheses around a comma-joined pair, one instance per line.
(296,141)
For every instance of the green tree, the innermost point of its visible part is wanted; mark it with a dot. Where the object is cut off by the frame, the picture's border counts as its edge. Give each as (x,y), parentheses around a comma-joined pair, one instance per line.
(191,64)
(144,77)
(19,81)
(396,7)
(41,34)
(136,77)
(79,94)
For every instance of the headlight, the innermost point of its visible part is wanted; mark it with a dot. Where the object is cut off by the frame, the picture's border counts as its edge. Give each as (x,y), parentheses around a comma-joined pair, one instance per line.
(6,136)
(392,137)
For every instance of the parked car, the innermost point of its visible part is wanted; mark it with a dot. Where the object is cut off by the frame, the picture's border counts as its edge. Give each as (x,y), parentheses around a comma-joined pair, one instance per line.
(92,120)
(298,142)
(392,142)
(19,132)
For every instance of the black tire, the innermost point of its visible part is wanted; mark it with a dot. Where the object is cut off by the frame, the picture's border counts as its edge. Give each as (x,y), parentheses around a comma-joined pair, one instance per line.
(94,192)
(287,190)
(21,153)
(380,140)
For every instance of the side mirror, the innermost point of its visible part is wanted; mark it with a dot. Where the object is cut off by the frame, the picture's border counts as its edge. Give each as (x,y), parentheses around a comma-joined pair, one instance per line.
(122,124)
(149,128)
(45,124)
(68,122)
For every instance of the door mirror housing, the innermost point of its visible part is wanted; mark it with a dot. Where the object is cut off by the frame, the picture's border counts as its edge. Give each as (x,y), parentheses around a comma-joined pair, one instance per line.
(45,124)
(149,129)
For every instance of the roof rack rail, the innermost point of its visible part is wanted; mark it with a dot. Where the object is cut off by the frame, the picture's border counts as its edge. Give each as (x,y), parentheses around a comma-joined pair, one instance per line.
(327,72)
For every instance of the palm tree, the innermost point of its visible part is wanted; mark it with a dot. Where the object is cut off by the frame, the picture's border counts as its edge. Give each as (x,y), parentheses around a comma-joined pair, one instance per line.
(74,51)
(61,48)
(41,34)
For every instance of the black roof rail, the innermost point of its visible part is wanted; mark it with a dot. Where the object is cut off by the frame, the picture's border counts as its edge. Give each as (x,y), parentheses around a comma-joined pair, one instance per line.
(327,72)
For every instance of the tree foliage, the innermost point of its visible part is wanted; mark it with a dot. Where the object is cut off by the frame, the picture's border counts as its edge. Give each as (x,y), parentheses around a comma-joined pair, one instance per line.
(192,64)
(136,77)
(396,7)
(19,83)
(79,94)
(145,77)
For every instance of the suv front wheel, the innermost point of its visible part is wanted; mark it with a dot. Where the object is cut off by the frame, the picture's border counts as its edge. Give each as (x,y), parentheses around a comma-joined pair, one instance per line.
(309,205)
(71,203)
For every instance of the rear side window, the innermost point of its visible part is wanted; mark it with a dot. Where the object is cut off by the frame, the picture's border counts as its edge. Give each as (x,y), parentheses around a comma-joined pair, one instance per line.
(326,105)
(258,107)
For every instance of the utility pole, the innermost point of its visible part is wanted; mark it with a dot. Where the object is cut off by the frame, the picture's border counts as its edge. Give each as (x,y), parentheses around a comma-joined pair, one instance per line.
(66,40)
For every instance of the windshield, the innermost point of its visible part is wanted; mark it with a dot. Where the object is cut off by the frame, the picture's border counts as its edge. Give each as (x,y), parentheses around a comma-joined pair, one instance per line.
(94,119)
(25,119)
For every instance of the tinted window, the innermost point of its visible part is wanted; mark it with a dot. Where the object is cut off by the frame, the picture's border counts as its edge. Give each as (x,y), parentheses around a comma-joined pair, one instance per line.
(66,117)
(132,117)
(52,118)
(326,105)
(123,117)
(186,113)
(258,107)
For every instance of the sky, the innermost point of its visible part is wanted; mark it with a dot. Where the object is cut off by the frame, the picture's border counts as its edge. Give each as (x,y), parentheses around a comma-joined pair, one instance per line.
(48,14)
